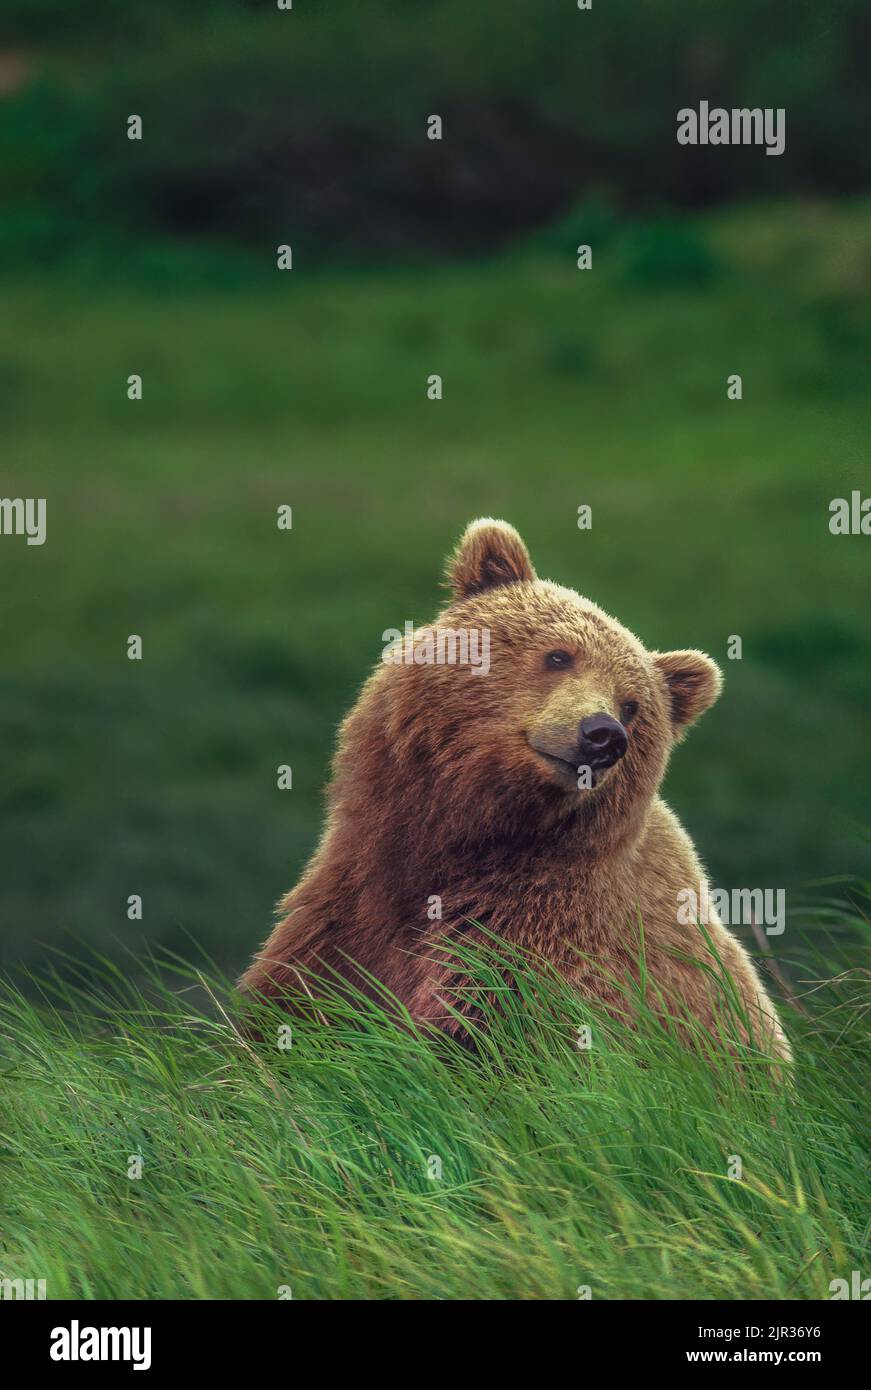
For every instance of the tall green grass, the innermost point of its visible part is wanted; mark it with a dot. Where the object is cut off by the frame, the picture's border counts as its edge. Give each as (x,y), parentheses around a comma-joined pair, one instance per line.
(364,1162)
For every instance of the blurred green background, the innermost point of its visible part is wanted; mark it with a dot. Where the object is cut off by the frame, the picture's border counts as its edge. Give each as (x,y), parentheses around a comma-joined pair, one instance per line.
(308,388)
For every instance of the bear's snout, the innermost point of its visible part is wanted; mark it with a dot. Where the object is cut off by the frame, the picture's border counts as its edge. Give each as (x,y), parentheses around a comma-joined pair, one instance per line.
(597,742)
(603,741)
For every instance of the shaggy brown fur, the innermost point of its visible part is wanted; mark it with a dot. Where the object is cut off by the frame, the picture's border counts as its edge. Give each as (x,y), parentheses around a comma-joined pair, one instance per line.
(462,784)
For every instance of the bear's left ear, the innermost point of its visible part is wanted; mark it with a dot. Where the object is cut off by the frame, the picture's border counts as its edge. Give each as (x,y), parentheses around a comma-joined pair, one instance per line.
(489,553)
(693,682)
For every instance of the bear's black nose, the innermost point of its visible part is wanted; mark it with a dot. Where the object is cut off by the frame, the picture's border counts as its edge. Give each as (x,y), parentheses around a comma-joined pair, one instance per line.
(603,741)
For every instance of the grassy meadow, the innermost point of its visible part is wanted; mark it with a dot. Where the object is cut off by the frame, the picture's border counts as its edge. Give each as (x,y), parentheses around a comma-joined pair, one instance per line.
(308,1169)
(361,1162)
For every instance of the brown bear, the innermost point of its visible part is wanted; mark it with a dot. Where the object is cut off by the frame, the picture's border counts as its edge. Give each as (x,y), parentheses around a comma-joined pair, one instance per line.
(518,793)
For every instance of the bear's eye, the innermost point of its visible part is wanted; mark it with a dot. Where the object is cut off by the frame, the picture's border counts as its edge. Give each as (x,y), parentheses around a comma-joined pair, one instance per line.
(628,711)
(558,661)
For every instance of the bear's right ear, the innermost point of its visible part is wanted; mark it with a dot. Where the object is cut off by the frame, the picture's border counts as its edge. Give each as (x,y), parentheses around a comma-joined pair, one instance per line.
(693,682)
(490,553)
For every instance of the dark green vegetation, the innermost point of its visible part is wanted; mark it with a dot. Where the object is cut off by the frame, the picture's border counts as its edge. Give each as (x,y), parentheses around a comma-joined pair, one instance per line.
(316,1168)
(260,124)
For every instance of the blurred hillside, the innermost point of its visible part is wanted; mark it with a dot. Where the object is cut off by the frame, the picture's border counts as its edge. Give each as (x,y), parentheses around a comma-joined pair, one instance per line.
(562,387)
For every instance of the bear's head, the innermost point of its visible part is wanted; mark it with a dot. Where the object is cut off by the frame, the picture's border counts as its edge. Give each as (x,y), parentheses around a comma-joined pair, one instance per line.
(525,705)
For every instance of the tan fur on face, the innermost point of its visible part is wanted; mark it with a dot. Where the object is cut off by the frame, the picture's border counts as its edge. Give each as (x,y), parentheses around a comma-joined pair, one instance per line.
(438,790)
